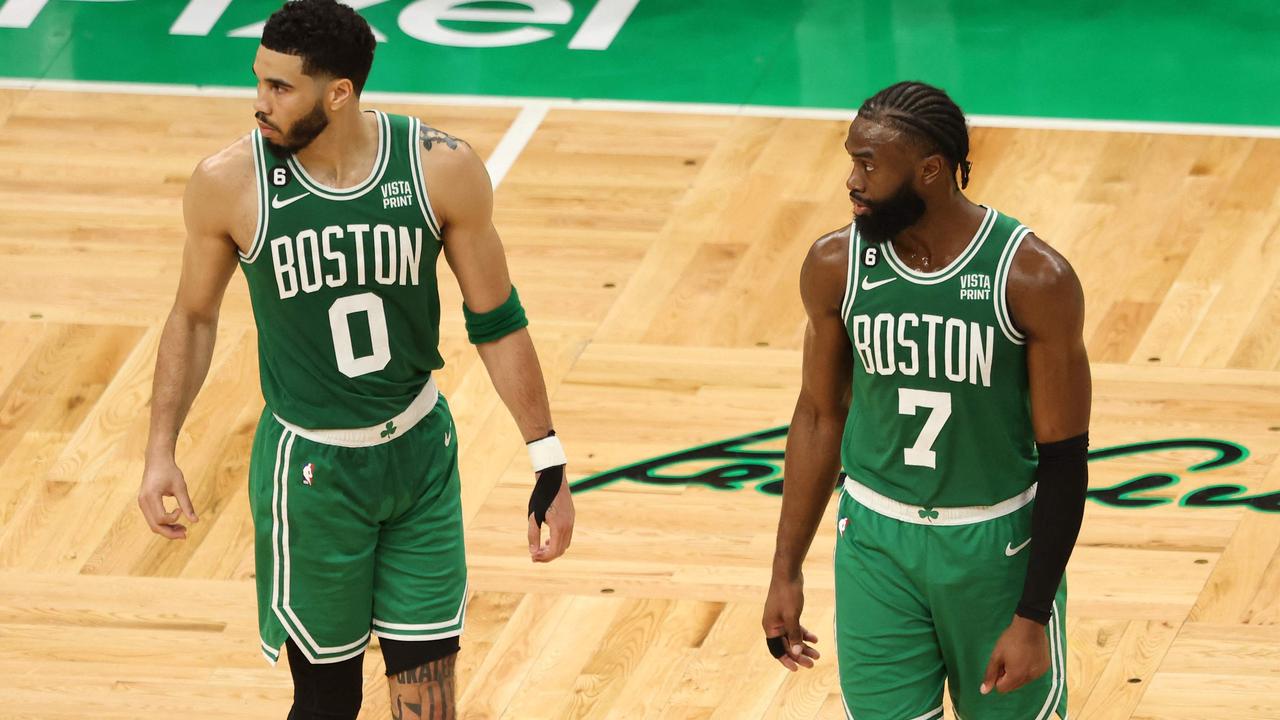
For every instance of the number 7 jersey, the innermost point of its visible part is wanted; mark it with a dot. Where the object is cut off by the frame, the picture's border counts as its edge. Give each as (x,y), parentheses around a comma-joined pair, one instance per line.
(343,284)
(940,414)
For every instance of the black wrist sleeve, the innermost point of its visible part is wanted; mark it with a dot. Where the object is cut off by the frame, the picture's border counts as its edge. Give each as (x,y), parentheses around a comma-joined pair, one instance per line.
(1062,480)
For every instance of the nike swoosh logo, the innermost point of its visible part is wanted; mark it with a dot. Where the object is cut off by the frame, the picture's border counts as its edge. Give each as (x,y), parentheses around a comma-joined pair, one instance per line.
(446,439)
(873,285)
(277,203)
(1010,550)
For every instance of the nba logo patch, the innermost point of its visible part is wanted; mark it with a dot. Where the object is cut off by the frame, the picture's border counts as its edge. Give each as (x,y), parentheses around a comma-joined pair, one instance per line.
(308,473)
(844,522)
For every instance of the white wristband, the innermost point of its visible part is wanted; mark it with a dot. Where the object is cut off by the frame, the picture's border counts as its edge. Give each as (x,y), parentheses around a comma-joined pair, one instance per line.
(545,453)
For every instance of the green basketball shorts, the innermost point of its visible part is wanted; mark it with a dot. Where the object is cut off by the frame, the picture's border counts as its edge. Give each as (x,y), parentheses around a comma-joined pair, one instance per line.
(358,531)
(922,595)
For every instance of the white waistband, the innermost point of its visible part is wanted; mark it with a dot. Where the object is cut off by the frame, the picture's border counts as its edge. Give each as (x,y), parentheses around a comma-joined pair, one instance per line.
(891,508)
(374,434)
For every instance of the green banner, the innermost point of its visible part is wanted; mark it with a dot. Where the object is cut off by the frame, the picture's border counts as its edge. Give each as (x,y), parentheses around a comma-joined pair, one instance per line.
(1155,60)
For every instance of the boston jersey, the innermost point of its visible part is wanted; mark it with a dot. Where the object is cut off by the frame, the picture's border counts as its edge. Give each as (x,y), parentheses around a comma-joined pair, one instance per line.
(940,413)
(343,285)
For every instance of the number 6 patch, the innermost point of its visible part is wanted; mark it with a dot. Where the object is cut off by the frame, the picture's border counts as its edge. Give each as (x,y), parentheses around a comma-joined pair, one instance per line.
(279,177)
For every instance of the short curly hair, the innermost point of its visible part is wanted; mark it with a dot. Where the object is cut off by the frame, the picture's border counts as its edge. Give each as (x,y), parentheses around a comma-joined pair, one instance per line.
(330,37)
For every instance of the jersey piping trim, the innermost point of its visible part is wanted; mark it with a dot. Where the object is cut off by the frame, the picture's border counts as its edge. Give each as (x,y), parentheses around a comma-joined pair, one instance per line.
(271,654)
(1001,299)
(1057,663)
(455,623)
(851,278)
(375,174)
(419,183)
(950,271)
(260,177)
(417,638)
(280,606)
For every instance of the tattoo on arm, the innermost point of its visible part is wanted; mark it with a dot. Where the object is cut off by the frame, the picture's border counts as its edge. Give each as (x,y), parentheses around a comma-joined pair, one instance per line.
(431,137)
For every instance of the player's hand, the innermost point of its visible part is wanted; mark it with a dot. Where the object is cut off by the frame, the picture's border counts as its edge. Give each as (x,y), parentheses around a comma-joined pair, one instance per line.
(782,620)
(558,522)
(163,479)
(1021,655)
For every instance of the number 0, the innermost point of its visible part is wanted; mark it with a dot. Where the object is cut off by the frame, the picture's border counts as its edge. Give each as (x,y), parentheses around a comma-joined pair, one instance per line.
(339,311)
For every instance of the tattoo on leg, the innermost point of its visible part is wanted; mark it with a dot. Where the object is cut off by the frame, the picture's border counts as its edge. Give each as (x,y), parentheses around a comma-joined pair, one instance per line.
(397,712)
(431,137)
(424,692)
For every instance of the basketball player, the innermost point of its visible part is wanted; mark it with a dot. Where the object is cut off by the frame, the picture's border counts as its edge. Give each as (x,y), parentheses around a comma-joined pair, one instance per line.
(945,370)
(336,216)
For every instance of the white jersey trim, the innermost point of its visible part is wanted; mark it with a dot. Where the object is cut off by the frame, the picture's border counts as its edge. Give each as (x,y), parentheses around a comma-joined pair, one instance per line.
(380,163)
(458,619)
(281,575)
(1002,282)
(851,279)
(260,179)
(419,181)
(1058,660)
(951,270)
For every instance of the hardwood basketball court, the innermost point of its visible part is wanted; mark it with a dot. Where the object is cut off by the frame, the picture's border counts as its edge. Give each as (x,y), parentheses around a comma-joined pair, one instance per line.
(657,254)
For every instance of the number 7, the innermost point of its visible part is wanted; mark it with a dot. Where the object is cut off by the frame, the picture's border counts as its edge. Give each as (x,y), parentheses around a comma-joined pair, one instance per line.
(921,454)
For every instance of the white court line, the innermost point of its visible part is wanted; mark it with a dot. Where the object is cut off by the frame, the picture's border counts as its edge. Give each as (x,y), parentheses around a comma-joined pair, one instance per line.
(1000,121)
(513,142)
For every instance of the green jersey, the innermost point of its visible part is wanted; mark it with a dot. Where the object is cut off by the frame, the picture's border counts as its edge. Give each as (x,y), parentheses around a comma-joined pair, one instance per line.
(940,414)
(343,284)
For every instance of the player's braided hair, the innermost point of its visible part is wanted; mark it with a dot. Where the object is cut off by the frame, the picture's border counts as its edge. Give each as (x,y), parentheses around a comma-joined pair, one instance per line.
(329,36)
(927,113)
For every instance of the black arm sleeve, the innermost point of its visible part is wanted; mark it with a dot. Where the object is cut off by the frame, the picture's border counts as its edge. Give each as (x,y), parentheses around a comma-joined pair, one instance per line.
(1062,479)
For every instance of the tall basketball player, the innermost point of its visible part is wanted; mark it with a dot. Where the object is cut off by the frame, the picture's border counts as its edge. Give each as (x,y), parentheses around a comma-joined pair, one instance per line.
(945,370)
(336,216)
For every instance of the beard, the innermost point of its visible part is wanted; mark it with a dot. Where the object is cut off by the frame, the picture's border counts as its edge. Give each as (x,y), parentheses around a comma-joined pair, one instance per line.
(305,130)
(890,216)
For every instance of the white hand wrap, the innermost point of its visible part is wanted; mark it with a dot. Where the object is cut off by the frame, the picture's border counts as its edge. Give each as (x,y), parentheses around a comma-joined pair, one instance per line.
(545,453)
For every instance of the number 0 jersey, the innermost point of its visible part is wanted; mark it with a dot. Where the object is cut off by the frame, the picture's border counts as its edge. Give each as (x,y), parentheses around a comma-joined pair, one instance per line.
(940,414)
(343,284)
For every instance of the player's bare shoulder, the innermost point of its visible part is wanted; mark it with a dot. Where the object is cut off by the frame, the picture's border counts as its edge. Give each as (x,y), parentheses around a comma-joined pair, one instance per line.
(445,154)
(455,175)
(228,171)
(1043,288)
(825,270)
(222,194)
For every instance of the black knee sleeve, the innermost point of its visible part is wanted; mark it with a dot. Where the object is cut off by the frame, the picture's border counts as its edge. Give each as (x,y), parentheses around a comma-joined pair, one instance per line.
(325,691)
(402,655)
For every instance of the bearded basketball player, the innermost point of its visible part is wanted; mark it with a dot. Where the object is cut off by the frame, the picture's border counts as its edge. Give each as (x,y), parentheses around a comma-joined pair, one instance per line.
(336,215)
(945,373)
